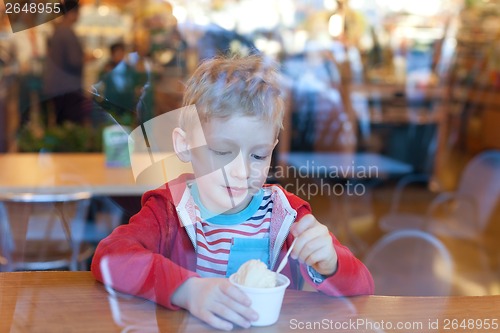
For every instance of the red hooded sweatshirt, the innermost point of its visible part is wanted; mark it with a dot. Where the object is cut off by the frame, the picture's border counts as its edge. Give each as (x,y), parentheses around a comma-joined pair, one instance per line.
(155,252)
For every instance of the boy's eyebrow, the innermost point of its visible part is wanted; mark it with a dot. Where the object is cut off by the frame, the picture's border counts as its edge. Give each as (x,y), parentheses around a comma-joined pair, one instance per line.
(228,140)
(265,145)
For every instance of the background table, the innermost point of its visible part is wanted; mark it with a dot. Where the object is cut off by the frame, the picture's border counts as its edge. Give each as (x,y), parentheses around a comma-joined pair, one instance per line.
(74,302)
(346,165)
(354,171)
(67,172)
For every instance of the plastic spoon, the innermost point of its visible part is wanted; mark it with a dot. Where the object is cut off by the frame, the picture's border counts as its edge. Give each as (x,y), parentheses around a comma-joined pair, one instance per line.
(285,258)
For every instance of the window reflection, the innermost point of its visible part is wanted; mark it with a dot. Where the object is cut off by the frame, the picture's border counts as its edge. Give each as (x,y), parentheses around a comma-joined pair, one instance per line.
(407,88)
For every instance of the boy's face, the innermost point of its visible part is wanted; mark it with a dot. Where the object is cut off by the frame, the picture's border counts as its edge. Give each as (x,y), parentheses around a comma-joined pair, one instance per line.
(232,162)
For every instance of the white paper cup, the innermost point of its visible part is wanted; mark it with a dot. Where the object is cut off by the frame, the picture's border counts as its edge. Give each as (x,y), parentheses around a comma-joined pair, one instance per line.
(265,301)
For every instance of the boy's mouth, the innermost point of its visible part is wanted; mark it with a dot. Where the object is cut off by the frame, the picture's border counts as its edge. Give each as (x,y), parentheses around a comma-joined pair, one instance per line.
(237,191)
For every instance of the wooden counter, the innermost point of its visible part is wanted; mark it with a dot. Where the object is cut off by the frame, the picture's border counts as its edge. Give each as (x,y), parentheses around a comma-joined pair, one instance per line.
(74,302)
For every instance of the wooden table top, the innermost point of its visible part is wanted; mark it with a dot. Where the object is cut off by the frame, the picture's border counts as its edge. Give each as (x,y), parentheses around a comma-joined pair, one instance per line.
(75,302)
(52,172)
(394,104)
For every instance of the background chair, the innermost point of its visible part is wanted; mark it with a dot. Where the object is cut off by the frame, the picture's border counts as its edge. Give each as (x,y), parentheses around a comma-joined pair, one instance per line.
(43,231)
(460,219)
(464,213)
(398,218)
(410,263)
(106,215)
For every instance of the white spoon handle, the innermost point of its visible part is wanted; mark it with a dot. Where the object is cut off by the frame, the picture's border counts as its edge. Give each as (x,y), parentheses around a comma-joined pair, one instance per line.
(285,258)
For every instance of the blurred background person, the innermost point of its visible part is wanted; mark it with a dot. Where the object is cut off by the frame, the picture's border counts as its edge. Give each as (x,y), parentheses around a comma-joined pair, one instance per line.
(30,46)
(62,80)
(117,54)
(117,83)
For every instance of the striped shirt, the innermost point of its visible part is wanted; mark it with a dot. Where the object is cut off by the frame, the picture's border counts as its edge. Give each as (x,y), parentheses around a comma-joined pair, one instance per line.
(215,237)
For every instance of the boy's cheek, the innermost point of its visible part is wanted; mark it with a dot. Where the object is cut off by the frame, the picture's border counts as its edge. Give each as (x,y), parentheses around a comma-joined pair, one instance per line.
(260,170)
(257,180)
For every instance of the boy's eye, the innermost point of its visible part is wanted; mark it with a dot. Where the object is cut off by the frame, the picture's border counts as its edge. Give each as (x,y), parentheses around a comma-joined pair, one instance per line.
(220,153)
(259,157)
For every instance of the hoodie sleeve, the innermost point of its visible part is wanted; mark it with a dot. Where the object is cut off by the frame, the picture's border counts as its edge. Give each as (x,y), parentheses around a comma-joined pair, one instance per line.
(136,258)
(351,278)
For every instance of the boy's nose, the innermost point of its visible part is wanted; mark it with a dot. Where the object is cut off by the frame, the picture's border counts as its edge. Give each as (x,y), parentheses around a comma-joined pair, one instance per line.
(239,168)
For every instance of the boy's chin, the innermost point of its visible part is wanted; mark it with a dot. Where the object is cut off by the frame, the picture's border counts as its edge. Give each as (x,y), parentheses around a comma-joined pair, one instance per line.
(237,205)
(231,204)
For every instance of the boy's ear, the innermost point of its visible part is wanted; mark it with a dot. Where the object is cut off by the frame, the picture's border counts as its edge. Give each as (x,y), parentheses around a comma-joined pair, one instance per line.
(181,145)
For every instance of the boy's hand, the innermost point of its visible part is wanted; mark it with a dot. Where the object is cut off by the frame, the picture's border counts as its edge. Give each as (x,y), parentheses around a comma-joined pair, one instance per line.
(215,301)
(314,245)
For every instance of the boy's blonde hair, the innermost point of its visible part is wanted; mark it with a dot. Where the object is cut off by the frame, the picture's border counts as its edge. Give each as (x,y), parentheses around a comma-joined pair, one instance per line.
(223,87)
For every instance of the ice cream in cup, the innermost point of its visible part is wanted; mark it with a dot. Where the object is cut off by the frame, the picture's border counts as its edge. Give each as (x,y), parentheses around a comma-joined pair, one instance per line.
(265,289)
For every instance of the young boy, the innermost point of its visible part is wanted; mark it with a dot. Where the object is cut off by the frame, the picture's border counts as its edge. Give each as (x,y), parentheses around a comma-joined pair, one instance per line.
(194,232)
